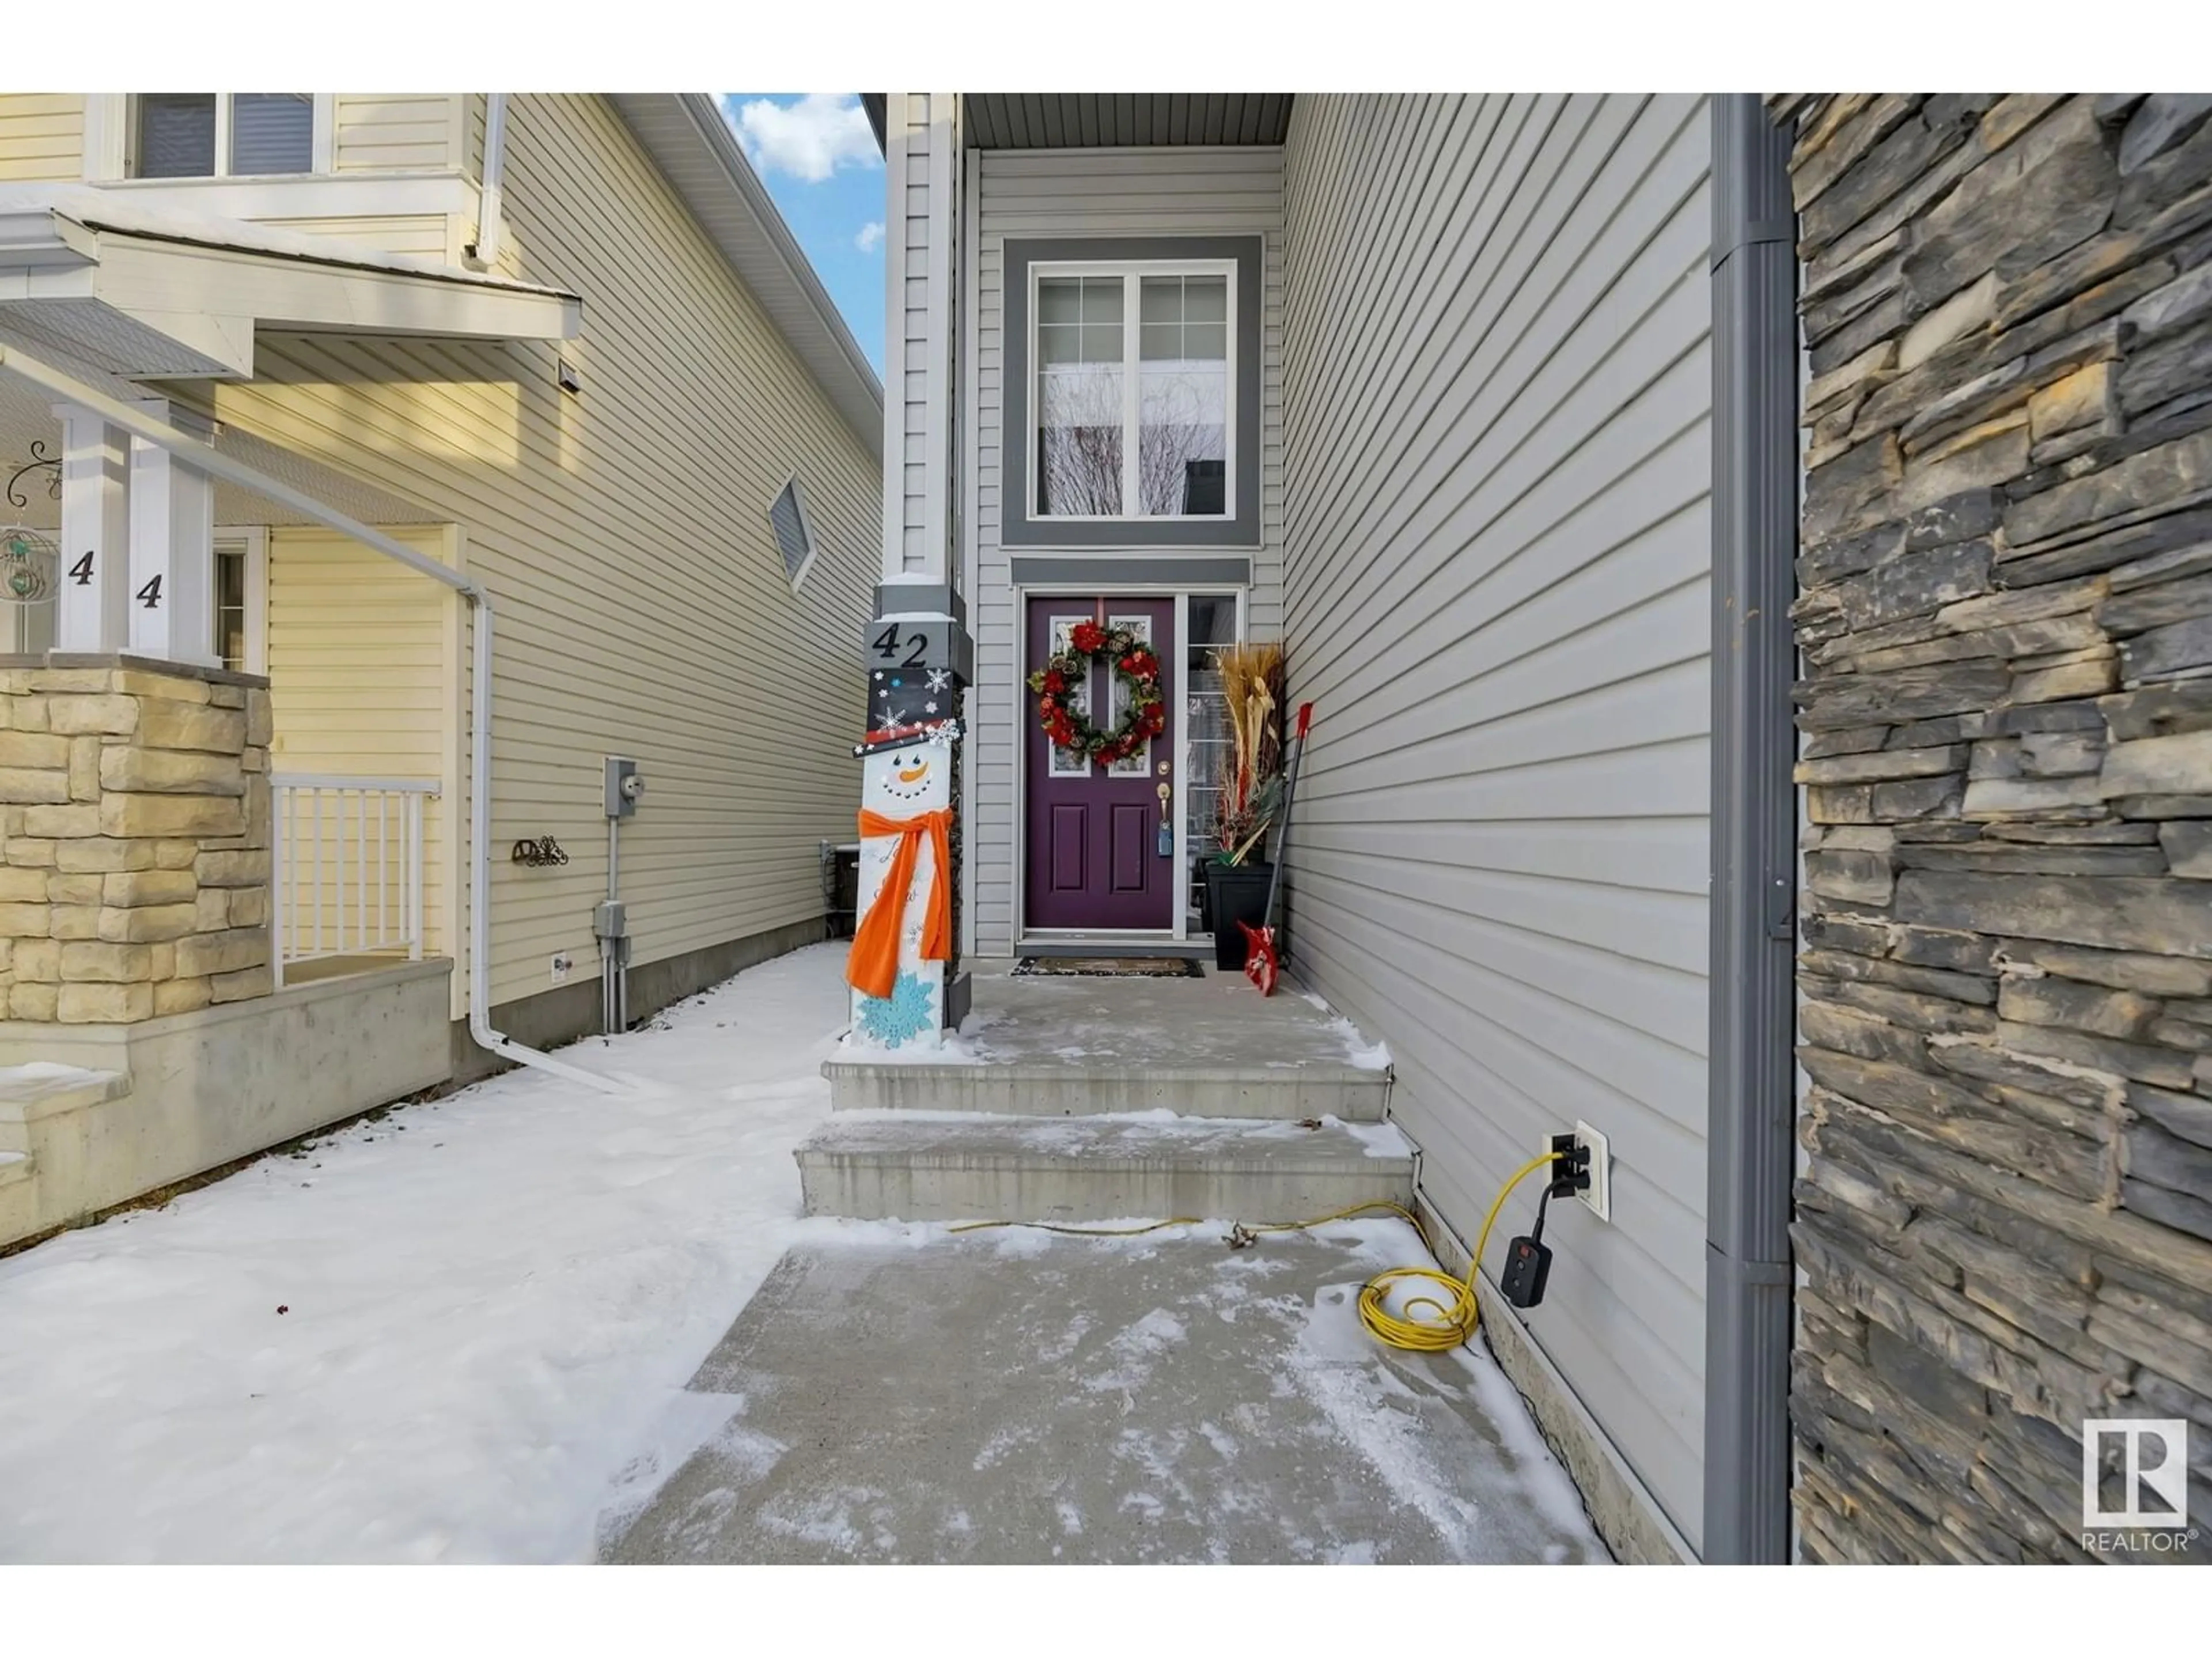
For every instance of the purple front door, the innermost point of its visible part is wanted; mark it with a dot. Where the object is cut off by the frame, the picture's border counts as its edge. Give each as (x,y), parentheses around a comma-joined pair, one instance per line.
(1093,852)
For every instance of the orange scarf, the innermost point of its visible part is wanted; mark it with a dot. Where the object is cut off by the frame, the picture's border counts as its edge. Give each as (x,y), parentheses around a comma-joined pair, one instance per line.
(872,965)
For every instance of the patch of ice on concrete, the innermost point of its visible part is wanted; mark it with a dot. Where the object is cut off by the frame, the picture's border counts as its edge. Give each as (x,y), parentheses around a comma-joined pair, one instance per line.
(1224,1443)
(829,1519)
(685,1422)
(1357,1050)
(954,1048)
(1377,1139)
(1071,1518)
(1004,1440)
(1064,1345)
(1543,1477)
(1358,1053)
(1132,1350)
(1359,1398)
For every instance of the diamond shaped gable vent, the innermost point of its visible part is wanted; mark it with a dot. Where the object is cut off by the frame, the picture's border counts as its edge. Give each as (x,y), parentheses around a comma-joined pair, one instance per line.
(787,516)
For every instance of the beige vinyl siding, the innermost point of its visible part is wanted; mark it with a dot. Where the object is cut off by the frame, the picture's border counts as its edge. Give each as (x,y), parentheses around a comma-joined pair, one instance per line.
(420,234)
(1498,390)
(385,130)
(624,534)
(360,668)
(41,136)
(1224,192)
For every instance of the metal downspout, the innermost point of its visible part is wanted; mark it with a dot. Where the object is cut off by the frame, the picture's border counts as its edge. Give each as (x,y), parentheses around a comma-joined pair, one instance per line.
(1751,1150)
(206,458)
(484,251)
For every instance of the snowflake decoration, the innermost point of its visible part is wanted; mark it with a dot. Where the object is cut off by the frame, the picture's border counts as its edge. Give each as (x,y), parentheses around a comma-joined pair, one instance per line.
(901,1017)
(891,720)
(929,708)
(940,678)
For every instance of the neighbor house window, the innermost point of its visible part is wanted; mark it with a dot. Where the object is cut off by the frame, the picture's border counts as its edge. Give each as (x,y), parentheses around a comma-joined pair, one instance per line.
(222,135)
(241,600)
(230,561)
(1134,391)
(794,538)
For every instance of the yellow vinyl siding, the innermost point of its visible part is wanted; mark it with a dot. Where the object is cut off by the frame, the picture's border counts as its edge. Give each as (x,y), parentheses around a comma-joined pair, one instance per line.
(623,532)
(41,136)
(390,130)
(358,668)
(420,234)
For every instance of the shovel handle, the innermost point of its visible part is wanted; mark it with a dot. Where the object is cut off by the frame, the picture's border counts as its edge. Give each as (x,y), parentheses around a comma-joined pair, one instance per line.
(1305,719)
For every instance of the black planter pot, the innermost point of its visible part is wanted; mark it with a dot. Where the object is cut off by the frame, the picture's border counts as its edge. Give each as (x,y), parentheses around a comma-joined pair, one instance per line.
(1235,893)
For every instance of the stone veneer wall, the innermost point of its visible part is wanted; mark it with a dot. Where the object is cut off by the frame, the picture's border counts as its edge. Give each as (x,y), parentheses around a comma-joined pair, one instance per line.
(134,797)
(2005,1219)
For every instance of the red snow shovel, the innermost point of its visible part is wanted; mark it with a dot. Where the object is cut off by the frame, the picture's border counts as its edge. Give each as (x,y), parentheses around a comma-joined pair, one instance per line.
(1260,964)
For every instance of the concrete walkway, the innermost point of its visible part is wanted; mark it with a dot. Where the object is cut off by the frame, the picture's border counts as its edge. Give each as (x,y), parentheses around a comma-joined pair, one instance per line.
(896,1394)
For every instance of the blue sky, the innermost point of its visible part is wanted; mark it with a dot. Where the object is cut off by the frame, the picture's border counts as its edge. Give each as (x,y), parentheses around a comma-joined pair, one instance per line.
(815,153)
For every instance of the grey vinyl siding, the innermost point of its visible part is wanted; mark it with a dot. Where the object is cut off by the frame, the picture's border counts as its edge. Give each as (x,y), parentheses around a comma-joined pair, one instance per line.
(921,275)
(1105,192)
(1497,371)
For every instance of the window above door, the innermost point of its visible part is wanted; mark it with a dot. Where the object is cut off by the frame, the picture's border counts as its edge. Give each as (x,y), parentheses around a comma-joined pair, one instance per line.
(1132,392)
(221,135)
(1134,365)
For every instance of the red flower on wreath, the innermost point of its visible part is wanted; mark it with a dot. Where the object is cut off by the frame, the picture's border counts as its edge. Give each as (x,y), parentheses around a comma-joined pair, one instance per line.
(1087,638)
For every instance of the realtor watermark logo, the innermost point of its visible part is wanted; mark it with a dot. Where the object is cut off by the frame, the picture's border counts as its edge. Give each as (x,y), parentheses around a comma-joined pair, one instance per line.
(2149,1511)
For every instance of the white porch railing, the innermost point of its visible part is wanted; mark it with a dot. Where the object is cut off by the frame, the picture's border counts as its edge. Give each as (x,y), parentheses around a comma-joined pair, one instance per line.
(348,879)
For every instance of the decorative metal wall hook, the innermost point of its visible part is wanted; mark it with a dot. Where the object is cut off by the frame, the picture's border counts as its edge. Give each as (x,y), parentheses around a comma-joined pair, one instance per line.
(540,853)
(39,459)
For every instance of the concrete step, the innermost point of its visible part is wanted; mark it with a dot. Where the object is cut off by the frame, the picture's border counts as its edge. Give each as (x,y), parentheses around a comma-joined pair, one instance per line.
(41,1090)
(911,1166)
(1046,1089)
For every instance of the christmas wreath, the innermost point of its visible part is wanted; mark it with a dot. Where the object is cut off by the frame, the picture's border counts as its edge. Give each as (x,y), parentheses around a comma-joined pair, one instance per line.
(1134,666)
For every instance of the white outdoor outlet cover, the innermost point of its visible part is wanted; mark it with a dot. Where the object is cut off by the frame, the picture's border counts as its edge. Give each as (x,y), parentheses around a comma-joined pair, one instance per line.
(562,963)
(1598,1195)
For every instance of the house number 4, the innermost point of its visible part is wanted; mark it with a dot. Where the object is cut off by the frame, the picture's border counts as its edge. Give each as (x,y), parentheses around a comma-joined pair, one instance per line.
(151,595)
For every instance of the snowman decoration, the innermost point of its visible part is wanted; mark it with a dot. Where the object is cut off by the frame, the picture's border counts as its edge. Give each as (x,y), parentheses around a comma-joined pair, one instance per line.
(896,963)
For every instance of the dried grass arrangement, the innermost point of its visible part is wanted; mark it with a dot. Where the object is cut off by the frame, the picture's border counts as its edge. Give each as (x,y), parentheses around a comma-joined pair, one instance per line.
(1253,689)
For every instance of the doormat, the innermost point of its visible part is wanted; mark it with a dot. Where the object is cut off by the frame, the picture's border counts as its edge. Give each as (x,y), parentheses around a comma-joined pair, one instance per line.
(1112,966)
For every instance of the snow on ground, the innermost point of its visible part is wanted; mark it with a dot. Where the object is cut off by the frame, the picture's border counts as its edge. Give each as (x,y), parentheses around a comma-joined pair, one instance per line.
(489,1306)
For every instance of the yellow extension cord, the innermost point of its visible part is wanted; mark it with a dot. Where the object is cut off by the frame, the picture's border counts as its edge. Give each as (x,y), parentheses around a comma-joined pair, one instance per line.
(1445,1325)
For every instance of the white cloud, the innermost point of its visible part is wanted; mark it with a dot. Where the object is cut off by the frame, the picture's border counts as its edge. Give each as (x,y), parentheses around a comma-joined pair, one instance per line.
(809,138)
(871,237)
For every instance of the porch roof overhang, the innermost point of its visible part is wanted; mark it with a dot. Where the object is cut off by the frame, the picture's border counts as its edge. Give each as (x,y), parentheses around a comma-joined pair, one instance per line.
(1093,121)
(145,296)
